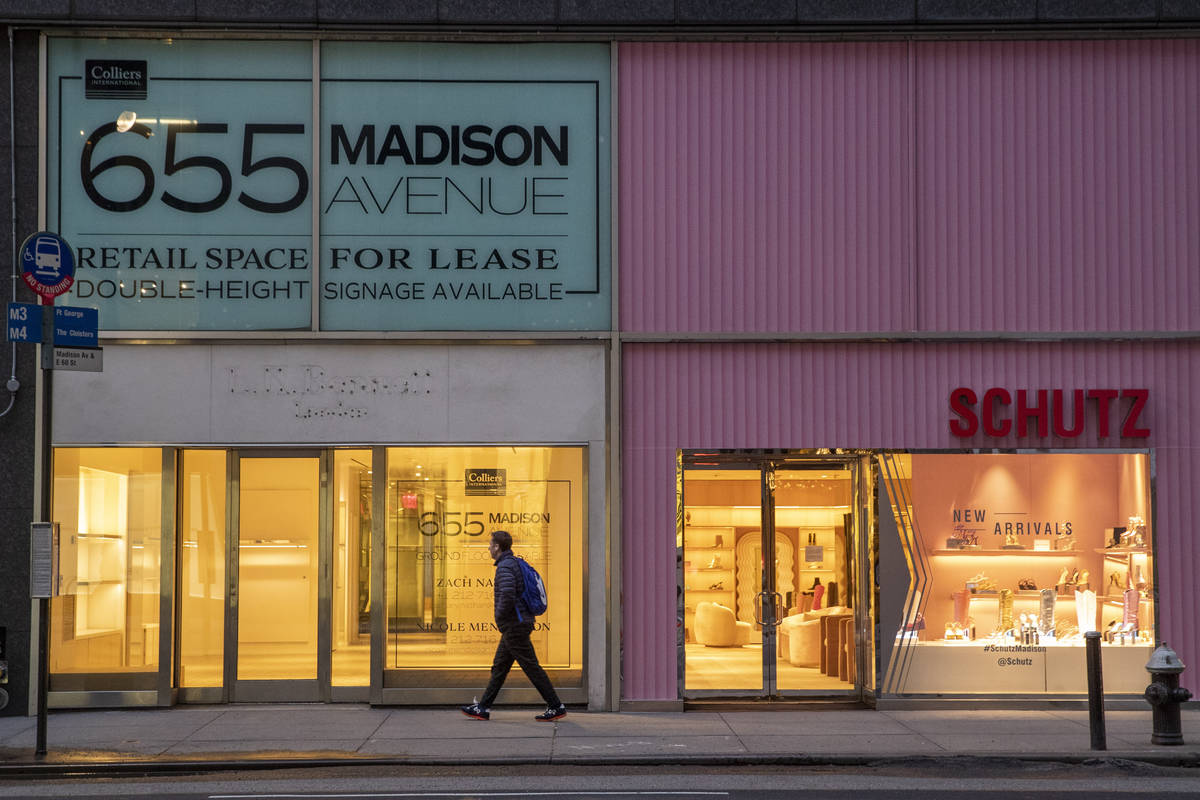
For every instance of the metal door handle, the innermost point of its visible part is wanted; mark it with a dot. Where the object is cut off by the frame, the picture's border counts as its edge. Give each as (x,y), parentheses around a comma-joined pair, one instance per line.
(778,605)
(758,598)
(776,601)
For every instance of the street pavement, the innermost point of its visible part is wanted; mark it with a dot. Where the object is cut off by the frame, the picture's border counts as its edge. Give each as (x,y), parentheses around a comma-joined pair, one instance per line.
(187,738)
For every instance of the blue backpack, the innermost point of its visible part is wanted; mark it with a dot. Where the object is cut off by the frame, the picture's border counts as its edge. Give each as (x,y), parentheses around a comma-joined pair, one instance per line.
(533,590)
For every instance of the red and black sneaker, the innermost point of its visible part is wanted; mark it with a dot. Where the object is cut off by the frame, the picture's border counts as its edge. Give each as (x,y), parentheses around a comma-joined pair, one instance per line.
(475,711)
(552,713)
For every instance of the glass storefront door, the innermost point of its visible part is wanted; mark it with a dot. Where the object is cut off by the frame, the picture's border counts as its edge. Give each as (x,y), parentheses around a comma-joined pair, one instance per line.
(815,580)
(722,581)
(278,585)
(769,627)
(251,605)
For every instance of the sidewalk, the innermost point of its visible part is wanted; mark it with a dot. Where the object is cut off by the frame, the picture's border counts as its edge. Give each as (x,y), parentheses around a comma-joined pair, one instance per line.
(263,735)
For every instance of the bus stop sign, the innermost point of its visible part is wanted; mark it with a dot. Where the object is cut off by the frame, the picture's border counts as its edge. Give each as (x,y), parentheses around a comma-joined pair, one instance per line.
(47,265)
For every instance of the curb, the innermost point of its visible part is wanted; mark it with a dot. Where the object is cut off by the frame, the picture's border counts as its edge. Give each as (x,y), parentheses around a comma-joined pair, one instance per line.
(200,765)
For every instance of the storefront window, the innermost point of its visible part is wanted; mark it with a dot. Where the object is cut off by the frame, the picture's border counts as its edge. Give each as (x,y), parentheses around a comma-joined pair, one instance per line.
(1012,558)
(104,626)
(202,568)
(352,488)
(443,504)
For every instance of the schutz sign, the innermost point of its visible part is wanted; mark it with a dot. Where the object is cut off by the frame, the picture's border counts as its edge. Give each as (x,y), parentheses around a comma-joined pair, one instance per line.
(1065,413)
(457,187)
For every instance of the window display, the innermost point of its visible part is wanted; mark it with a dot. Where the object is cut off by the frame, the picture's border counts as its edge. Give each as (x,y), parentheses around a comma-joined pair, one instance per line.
(108,503)
(1013,558)
(443,504)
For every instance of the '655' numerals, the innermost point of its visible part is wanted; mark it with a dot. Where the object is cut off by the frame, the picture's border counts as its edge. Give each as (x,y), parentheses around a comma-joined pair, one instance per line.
(452,523)
(171,165)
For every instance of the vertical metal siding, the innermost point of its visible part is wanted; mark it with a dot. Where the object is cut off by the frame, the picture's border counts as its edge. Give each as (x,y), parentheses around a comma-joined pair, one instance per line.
(764,186)
(1006,186)
(1058,185)
(874,395)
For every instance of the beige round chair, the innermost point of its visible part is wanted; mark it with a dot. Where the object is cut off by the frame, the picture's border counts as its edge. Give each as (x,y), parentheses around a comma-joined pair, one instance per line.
(716,626)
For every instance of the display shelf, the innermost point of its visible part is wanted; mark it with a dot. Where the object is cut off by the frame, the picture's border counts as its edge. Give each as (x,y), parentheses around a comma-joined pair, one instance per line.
(1058,598)
(986,641)
(816,537)
(1009,552)
(1029,594)
(1123,565)
(708,553)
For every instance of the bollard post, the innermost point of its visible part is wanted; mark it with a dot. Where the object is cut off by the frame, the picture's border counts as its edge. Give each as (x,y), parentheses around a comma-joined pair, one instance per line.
(1095,679)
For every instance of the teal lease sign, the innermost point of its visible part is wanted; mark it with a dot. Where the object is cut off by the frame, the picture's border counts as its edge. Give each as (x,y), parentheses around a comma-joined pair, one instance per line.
(436,187)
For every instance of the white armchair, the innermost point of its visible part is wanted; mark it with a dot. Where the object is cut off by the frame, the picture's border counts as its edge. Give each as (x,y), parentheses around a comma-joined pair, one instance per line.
(800,636)
(716,626)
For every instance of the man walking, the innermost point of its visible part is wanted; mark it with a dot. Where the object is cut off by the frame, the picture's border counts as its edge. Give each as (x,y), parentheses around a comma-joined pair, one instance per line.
(514,636)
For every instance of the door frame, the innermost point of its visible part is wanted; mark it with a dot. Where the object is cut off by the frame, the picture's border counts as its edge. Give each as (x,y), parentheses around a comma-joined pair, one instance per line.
(858,562)
(277,691)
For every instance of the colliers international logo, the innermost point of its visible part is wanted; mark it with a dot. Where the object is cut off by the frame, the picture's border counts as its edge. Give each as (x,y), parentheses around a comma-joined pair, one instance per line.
(486,482)
(105,80)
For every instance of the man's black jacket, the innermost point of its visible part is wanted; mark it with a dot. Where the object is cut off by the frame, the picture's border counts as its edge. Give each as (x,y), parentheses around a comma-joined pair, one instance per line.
(507,588)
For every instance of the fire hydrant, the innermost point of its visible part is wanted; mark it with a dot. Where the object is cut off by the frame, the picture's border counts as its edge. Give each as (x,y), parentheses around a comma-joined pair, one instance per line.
(1165,695)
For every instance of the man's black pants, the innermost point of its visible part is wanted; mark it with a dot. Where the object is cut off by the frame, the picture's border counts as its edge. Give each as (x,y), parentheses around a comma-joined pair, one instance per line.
(515,645)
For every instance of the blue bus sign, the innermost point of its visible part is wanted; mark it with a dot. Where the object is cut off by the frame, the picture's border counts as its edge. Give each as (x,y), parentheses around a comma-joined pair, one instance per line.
(47,264)
(76,327)
(25,323)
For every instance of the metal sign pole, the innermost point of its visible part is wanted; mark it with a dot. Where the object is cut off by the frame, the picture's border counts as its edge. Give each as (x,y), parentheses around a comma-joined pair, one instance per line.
(47,363)
(48,268)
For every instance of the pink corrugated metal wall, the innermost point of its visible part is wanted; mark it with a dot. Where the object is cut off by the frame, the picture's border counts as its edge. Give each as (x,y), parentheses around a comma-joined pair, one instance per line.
(929,186)
(942,186)
(1058,185)
(764,186)
(758,395)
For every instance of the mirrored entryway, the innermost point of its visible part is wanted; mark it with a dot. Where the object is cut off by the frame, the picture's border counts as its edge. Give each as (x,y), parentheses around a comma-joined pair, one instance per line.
(778,626)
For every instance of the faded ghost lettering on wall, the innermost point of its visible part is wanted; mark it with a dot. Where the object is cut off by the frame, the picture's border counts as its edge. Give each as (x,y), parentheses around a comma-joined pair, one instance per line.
(316,393)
